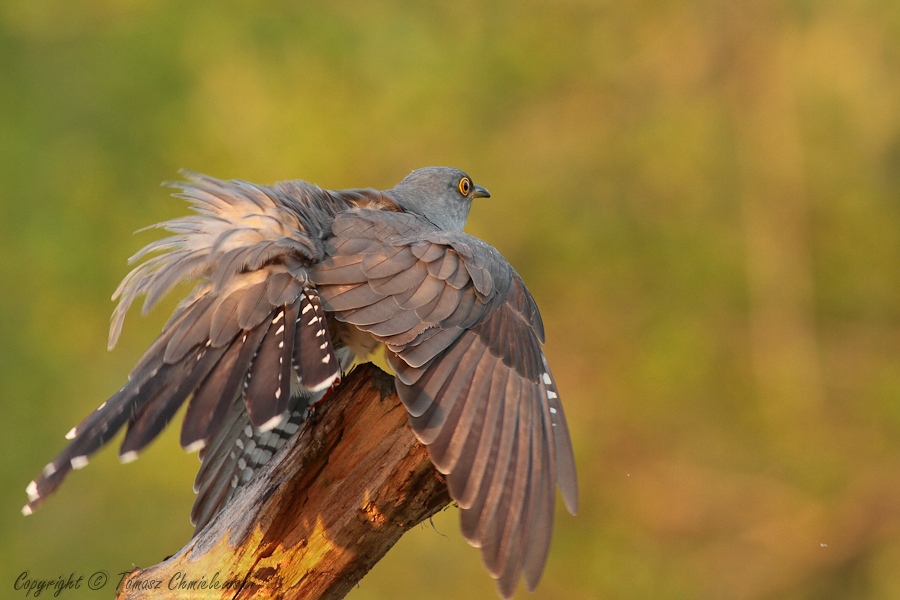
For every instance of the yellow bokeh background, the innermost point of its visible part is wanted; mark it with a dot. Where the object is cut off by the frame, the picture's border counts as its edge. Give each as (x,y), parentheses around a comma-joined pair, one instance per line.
(703,197)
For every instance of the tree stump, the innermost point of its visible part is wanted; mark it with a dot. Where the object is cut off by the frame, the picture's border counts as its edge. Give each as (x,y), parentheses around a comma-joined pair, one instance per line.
(319,514)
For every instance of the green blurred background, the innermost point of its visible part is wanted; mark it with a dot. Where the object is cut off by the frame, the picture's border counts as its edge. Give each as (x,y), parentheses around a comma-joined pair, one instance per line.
(702,196)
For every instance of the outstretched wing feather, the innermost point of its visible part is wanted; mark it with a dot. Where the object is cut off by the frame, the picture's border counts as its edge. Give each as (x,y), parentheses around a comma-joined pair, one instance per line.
(464,338)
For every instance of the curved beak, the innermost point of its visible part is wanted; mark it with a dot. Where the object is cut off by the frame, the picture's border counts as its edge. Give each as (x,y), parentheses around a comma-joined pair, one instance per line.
(480,192)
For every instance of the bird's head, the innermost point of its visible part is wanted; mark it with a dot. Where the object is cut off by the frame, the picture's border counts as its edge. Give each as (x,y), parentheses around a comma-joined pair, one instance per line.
(443,195)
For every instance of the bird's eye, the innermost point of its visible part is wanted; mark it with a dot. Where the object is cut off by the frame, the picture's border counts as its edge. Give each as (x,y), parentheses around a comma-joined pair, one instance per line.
(464,186)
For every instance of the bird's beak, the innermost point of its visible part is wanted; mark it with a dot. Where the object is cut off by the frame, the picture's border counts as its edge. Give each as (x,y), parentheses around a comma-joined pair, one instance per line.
(480,192)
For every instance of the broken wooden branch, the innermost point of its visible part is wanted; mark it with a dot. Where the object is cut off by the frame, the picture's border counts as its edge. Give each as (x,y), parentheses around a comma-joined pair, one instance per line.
(319,514)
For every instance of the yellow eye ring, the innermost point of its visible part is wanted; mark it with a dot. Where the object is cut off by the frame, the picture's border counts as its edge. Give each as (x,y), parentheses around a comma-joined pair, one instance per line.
(465,186)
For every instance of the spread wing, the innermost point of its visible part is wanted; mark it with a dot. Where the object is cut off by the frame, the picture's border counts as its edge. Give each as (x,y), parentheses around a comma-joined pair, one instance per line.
(464,337)
(253,324)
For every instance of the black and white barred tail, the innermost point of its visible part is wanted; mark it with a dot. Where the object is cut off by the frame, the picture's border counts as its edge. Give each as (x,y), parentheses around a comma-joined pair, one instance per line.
(253,370)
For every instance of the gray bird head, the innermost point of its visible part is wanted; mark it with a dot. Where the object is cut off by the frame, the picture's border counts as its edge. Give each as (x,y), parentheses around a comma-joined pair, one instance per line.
(442,195)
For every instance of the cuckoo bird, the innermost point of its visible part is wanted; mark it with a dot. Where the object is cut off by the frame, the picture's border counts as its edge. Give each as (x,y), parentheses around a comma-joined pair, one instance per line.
(294,283)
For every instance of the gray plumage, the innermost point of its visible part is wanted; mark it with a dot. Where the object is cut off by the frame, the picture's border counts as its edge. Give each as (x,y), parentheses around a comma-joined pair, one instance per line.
(295,282)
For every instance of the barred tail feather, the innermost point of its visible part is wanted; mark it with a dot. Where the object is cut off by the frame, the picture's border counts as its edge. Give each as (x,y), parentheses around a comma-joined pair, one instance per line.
(268,385)
(209,405)
(313,355)
(157,414)
(237,451)
(97,430)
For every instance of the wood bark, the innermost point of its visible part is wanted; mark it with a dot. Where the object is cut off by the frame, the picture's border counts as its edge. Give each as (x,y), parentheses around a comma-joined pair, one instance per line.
(319,515)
